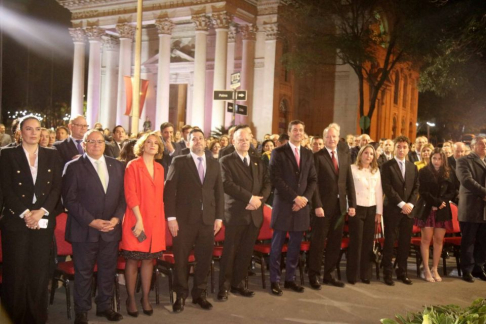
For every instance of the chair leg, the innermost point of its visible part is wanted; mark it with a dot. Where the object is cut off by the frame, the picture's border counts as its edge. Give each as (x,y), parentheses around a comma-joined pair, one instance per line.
(338,268)
(54,284)
(156,285)
(444,263)
(68,298)
(262,266)
(212,276)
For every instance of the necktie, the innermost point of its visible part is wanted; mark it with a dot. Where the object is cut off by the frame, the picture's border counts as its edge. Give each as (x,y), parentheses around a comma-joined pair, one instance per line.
(297,157)
(200,169)
(402,168)
(245,161)
(79,147)
(334,161)
(101,173)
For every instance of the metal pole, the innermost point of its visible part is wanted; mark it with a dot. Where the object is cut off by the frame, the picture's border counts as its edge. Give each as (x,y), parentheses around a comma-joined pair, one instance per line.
(233,121)
(136,77)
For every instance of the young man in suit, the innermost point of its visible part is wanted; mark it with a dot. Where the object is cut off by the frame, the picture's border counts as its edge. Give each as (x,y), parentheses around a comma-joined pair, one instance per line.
(194,207)
(294,177)
(93,194)
(471,172)
(171,149)
(335,190)
(247,187)
(399,179)
(72,147)
(113,149)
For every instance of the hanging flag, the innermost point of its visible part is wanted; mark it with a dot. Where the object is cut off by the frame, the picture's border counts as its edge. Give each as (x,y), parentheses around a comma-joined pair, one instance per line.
(129,94)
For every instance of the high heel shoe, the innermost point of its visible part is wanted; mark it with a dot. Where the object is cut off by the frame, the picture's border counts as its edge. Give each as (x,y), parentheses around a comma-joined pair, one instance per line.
(148,312)
(132,314)
(435,275)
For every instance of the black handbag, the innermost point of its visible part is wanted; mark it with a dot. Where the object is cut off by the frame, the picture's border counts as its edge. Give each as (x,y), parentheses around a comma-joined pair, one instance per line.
(418,209)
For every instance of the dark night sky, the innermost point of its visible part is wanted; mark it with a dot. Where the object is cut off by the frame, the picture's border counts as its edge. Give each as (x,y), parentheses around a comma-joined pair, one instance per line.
(30,73)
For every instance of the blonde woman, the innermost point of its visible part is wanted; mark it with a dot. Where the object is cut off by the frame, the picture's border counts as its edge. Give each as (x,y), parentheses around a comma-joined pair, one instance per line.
(425,152)
(369,199)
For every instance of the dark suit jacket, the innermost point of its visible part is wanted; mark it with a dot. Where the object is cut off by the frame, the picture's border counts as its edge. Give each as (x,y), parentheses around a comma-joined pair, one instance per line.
(112,149)
(18,186)
(182,144)
(85,199)
(67,149)
(435,191)
(330,185)
(471,172)
(397,189)
(382,160)
(240,183)
(185,197)
(354,153)
(452,162)
(230,149)
(289,182)
(412,156)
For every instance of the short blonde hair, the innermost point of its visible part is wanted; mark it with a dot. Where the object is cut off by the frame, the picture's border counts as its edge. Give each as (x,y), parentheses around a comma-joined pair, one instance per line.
(138,148)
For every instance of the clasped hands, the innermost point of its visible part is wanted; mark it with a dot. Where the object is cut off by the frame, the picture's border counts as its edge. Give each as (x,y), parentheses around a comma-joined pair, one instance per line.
(407,209)
(255,203)
(104,225)
(320,212)
(443,205)
(32,217)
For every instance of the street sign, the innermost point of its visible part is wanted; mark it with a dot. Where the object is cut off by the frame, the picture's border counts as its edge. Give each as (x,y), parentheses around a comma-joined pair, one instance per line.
(230,107)
(241,95)
(240,109)
(235,80)
(223,95)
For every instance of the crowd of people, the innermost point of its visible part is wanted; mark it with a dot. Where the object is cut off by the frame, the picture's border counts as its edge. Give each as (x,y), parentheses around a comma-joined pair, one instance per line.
(124,195)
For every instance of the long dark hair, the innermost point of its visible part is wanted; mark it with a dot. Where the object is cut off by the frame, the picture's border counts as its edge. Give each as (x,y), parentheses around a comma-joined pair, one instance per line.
(444,170)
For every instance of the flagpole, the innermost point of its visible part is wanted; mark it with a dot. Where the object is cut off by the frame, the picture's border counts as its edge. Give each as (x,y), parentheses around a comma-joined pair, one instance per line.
(136,75)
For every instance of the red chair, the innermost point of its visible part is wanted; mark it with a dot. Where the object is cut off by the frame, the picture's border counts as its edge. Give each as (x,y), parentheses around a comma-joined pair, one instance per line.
(453,240)
(217,252)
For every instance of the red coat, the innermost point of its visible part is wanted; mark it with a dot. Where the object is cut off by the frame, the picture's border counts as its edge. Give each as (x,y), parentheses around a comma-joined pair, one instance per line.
(147,193)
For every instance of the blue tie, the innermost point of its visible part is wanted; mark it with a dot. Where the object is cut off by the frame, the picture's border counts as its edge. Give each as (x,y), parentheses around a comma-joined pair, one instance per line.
(79,147)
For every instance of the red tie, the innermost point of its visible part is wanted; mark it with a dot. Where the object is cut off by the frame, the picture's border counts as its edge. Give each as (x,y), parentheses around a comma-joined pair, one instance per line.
(297,158)
(334,161)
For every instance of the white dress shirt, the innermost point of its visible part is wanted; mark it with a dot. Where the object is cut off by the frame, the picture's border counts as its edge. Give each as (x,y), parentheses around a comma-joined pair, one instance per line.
(33,171)
(368,188)
(103,165)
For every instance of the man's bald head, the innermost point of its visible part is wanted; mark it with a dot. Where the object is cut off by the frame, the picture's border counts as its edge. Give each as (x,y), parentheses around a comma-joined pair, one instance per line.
(459,149)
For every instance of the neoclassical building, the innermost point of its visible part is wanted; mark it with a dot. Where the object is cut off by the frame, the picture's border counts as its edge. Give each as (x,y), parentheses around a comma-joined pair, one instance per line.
(191,47)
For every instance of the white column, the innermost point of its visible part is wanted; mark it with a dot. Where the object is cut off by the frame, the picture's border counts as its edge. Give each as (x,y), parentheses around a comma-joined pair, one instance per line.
(202,23)
(221,22)
(271,31)
(77,97)
(126,33)
(94,74)
(108,106)
(230,67)
(248,69)
(164,28)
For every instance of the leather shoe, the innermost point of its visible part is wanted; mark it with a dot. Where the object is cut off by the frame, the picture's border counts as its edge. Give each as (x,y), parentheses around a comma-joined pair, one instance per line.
(81,318)
(481,275)
(314,283)
(223,295)
(178,305)
(110,315)
(366,281)
(202,301)
(242,291)
(333,282)
(389,281)
(467,277)
(276,290)
(404,279)
(295,287)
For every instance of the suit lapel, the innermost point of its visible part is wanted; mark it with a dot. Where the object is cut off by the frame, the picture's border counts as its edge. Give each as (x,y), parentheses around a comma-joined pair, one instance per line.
(396,167)
(193,168)
(245,169)
(328,159)
(291,156)
(23,162)
(478,161)
(254,171)
(90,168)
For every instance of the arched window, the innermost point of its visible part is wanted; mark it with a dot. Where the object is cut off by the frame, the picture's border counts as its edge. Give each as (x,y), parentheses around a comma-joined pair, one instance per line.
(410,131)
(282,116)
(397,88)
(394,127)
(402,129)
(405,91)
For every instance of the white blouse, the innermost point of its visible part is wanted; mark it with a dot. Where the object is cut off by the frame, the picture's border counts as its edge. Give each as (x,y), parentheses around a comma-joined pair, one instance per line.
(368,188)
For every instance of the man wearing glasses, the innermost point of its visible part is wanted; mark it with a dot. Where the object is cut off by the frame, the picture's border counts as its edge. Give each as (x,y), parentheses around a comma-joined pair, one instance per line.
(72,148)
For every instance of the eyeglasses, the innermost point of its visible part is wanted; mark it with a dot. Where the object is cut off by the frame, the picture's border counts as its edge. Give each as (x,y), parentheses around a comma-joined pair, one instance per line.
(80,125)
(93,142)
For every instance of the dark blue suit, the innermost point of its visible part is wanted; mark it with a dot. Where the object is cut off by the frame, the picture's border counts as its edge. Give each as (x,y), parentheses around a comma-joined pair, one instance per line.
(67,149)
(85,200)
(289,181)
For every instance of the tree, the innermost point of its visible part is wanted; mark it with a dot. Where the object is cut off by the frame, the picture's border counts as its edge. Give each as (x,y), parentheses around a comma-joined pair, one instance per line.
(372,36)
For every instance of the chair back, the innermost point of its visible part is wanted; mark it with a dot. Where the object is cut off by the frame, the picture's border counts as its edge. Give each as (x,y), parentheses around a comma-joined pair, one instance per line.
(220,235)
(64,248)
(455,221)
(266,232)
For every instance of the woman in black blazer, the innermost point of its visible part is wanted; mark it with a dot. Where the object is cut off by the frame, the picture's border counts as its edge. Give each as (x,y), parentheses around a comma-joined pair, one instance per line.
(436,190)
(31,183)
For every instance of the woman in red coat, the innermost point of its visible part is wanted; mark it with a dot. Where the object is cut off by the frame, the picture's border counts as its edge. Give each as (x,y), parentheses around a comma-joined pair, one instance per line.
(143,236)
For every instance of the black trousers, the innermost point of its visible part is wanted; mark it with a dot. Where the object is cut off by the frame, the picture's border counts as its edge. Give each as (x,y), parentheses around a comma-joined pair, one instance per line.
(401,225)
(26,259)
(329,227)
(473,246)
(361,233)
(201,237)
(85,256)
(237,252)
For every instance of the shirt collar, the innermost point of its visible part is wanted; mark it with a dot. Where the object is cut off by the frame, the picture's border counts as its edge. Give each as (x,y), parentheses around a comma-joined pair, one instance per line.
(75,139)
(101,159)
(398,160)
(242,157)
(195,156)
(330,151)
(293,147)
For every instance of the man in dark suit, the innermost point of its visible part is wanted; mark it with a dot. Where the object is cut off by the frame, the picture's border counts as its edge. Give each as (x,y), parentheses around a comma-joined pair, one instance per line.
(387,154)
(231,148)
(335,185)
(231,131)
(113,149)
(94,197)
(247,187)
(364,139)
(414,156)
(458,151)
(171,149)
(184,142)
(471,172)
(294,177)
(194,207)
(72,147)
(399,179)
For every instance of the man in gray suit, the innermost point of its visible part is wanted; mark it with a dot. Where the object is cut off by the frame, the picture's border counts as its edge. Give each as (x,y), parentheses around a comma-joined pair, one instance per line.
(471,172)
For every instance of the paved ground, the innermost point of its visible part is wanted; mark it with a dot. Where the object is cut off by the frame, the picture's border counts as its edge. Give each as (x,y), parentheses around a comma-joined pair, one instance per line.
(354,304)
